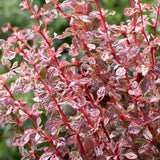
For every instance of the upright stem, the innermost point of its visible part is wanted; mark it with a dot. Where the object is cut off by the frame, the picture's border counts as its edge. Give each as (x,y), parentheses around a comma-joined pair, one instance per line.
(11,95)
(156,20)
(105,28)
(143,32)
(81,147)
(134,21)
(61,112)
(110,43)
(39,27)
(134,26)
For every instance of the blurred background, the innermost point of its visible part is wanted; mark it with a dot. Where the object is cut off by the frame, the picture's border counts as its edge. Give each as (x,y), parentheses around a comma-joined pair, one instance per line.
(10,12)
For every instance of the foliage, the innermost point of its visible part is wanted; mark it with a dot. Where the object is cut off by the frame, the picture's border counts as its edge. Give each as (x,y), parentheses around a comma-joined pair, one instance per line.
(102,101)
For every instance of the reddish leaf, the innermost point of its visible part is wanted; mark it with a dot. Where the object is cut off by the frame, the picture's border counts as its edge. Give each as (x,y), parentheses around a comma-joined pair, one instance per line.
(157,67)
(76,42)
(51,123)
(89,144)
(47,6)
(89,7)
(145,84)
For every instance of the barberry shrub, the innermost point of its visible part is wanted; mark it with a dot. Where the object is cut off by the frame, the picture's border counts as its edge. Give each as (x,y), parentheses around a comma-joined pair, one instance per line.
(96,99)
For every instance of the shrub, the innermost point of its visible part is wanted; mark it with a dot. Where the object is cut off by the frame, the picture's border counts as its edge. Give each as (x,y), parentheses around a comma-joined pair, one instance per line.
(98,98)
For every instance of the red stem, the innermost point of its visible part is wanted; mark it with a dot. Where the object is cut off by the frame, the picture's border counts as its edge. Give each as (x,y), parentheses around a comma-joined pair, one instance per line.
(108,152)
(61,112)
(57,152)
(37,19)
(86,116)
(81,147)
(105,28)
(90,97)
(110,44)
(105,131)
(54,99)
(9,91)
(156,20)
(134,24)
(134,21)
(143,31)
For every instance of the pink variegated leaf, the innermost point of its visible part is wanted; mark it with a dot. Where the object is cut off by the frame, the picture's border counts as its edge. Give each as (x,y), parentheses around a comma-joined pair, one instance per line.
(85,18)
(16,141)
(93,112)
(121,71)
(143,148)
(157,67)
(12,39)
(27,136)
(147,134)
(54,13)
(64,64)
(52,123)
(154,149)
(130,155)
(134,128)
(101,92)
(24,5)
(73,52)
(46,156)
(76,42)
(145,84)
(129,11)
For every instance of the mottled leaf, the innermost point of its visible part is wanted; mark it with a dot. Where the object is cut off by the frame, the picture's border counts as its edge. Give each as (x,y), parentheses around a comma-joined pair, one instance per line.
(105,55)
(130,155)
(134,128)
(93,112)
(46,155)
(74,155)
(51,123)
(73,52)
(89,144)
(121,71)
(154,149)
(129,11)
(133,51)
(143,148)
(89,7)
(145,84)
(157,67)
(85,18)
(16,141)
(101,92)
(147,134)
